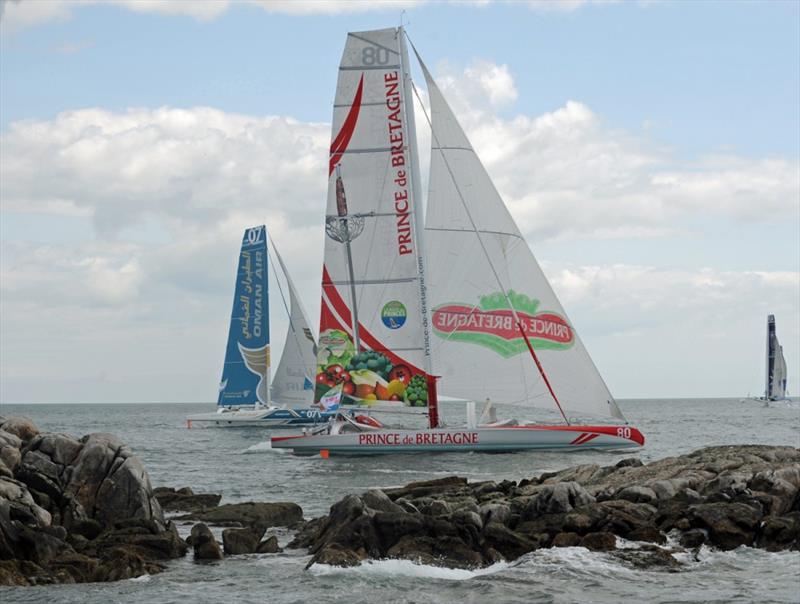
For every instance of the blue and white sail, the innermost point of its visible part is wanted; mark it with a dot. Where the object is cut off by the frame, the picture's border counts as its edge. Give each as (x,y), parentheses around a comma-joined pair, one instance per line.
(245,374)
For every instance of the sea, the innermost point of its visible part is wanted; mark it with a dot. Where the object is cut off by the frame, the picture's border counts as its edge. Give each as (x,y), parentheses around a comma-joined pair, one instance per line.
(239,464)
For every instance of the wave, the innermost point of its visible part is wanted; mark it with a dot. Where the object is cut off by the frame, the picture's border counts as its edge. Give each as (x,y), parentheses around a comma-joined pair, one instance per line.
(407,568)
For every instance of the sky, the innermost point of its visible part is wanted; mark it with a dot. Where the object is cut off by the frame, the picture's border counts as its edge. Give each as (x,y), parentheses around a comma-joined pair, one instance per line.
(649,151)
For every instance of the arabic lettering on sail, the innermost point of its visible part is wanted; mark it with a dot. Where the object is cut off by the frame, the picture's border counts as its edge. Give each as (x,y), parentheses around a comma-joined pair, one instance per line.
(252,297)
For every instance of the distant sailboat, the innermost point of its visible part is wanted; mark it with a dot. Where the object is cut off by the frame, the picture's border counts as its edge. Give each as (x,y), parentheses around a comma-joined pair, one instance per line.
(247,394)
(775,373)
(402,303)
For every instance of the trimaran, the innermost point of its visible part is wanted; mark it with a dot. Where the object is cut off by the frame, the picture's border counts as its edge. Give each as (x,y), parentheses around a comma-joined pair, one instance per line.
(461,297)
(248,394)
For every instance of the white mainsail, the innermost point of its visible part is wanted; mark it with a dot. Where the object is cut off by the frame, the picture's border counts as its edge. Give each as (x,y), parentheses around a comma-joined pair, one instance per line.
(372,264)
(293,382)
(473,246)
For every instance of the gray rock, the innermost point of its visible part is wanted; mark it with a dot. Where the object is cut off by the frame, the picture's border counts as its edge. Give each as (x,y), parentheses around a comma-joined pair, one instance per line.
(377,500)
(252,514)
(637,494)
(495,512)
(21,427)
(557,499)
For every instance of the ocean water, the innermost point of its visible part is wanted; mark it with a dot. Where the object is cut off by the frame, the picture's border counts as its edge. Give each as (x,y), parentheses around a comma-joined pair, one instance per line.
(239,464)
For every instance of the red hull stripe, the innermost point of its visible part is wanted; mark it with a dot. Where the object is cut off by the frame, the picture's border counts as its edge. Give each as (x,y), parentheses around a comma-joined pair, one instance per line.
(329,320)
(626,432)
(339,144)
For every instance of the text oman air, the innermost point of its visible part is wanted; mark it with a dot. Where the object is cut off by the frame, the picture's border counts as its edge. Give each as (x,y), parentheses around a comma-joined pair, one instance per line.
(398,160)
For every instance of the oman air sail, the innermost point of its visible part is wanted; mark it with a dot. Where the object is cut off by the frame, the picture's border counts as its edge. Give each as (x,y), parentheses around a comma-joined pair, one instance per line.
(247,395)
(480,313)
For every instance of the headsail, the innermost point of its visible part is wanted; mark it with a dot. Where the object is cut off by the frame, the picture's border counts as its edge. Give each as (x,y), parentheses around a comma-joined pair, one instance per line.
(293,381)
(372,261)
(245,374)
(476,346)
(776,364)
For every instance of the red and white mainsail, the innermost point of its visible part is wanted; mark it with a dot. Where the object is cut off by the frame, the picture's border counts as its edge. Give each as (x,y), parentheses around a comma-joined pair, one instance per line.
(373,266)
(483,279)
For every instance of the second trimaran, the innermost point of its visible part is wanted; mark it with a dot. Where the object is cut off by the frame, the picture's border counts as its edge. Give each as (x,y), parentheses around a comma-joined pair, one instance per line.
(462,297)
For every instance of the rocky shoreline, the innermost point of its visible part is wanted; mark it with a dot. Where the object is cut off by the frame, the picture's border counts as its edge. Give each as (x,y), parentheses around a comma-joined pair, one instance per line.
(83,510)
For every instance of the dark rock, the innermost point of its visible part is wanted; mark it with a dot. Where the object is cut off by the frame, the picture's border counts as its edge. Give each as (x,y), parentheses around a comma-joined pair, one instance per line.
(566,540)
(647,533)
(693,538)
(88,528)
(252,514)
(599,542)
(781,533)
(510,544)
(728,525)
(184,499)
(120,562)
(307,533)
(241,541)
(435,507)
(268,546)
(336,556)
(427,487)
(204,545)
(393,527)
(656,559)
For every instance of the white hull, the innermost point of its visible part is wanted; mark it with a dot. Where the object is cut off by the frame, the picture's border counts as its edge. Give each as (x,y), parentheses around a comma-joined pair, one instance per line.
(272,417)
(483,439)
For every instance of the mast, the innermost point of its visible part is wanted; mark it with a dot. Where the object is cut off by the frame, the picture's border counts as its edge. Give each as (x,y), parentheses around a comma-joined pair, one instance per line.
(341,209)
(419,227)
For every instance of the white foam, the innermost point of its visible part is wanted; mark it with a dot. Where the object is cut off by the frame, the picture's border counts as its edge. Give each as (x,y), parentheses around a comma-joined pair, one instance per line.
(407,568)
(140,579)
(260,447)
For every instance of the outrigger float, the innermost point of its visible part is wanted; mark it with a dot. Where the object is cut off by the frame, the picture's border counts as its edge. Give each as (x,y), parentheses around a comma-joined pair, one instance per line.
(461,296)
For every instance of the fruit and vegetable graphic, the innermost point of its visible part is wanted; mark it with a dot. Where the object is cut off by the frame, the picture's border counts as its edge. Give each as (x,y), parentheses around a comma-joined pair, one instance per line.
(365,376)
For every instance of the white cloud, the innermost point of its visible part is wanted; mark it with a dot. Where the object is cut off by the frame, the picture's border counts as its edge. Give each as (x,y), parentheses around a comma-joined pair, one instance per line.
(137,309)
(17,14)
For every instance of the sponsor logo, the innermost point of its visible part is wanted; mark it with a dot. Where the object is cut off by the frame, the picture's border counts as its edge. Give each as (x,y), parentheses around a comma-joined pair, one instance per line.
(254,235)
(420,438)
(394,314)
(491,324)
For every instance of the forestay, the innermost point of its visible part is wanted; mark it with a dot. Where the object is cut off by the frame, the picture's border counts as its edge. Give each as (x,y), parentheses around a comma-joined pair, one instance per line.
(245,374)
(293,382)
(476,345)
(370,227)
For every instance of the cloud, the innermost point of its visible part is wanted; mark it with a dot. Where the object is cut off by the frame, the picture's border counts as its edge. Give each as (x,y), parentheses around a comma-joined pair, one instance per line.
(567,173)
(168,191)
(17,14)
